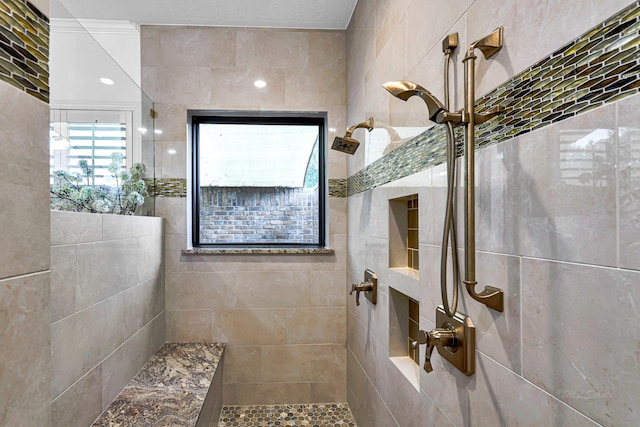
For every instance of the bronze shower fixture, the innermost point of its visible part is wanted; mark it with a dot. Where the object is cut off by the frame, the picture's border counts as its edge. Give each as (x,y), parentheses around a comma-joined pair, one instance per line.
(491,296)
(454,335)
(347,144)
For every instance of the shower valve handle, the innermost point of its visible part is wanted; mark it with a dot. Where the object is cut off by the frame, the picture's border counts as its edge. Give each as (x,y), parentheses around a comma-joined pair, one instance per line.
(427,358)
(436,337)
(360,287)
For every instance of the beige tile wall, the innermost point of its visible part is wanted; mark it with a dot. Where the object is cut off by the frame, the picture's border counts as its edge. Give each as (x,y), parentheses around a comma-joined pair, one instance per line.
(283,317)
(24,257)
(107,308)
(566,255)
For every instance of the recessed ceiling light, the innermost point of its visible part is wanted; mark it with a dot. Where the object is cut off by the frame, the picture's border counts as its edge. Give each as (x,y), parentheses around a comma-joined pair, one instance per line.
(142,130)
(157,131)
(107,81)
(171,151)
(260,84)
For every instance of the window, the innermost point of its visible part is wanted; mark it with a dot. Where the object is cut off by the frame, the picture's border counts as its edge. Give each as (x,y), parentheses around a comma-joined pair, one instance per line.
(258,180)
(91,136)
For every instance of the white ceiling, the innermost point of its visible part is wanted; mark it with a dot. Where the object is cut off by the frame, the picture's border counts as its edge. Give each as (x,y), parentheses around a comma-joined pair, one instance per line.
(304,14)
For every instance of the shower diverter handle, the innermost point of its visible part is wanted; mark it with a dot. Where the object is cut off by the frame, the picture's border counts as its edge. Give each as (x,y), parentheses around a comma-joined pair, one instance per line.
(435,338)
(369,286)
(361,287)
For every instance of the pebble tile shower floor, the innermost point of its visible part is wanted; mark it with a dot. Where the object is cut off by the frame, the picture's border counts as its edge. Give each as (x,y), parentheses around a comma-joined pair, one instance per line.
(295,415)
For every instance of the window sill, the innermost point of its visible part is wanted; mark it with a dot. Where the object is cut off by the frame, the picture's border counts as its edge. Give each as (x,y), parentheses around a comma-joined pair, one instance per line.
(258,251)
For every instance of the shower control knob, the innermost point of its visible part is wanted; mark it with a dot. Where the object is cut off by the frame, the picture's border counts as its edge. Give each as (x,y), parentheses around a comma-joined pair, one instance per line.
(369,287)
(422,339)
(436,337)
(354,288)
(360,287)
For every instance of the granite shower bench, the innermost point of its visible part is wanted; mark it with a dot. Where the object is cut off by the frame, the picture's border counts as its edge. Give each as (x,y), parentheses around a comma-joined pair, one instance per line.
(181,385)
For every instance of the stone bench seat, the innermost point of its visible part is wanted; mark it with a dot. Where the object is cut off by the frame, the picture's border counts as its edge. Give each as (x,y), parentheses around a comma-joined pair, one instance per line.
(181,385)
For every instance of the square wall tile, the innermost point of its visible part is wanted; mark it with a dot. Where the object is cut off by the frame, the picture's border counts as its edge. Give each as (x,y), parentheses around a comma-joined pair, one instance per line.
(317,325)
(81,404)
(64,268)
(242,364)
(119,367)
(521,20)
(257,326)
(174,213)
(295,363)
(25,358)
(532,199)
(629,181)
(75,227)
(328,289)
(496,397)
(498,334)
(24,183)
(186,291)
(214,46)
(267,393)
(578,344)
(190,326)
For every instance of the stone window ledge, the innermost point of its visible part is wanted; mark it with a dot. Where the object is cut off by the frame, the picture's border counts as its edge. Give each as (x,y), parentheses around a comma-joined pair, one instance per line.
(259,251)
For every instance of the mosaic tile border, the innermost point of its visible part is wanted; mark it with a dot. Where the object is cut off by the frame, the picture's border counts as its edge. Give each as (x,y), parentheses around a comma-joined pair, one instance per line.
(311,415)
(167,187)
(177,187)
(599,67)
(337,187)
(24,48)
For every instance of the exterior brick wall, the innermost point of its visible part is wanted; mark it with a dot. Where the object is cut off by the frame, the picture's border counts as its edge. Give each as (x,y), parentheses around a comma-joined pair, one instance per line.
(258,215)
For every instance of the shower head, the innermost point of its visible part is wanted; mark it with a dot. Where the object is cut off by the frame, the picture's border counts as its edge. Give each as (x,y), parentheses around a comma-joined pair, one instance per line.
(347,144)
(405,90)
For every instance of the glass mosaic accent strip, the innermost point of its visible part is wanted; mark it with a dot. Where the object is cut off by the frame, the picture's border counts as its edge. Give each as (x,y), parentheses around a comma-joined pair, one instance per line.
(338,187)
(599,67)
(310,415)
(177,187)
(167,187)
(24,48)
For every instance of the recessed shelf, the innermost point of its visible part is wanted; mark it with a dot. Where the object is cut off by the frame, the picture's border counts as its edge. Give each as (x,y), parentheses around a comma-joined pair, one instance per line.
(404,242)
(404,324)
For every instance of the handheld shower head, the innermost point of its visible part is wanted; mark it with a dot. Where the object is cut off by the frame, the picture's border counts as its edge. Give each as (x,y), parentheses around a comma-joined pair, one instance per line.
(405,90)
(347,144)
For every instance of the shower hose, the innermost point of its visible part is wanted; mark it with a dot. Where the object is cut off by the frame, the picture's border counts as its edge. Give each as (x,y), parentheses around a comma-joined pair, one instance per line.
(449,229)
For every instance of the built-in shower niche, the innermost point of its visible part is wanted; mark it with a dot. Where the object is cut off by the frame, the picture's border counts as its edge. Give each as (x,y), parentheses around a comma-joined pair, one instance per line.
(404,324)
(403,235)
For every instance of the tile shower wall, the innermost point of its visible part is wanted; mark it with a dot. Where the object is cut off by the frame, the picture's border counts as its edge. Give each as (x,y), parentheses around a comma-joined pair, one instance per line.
(107,308)
(562,245)
(24,225)
(282,316)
